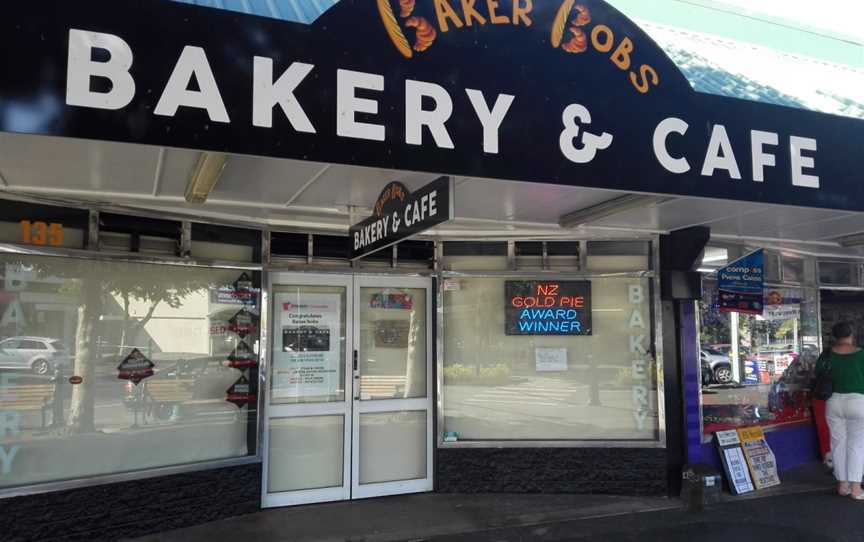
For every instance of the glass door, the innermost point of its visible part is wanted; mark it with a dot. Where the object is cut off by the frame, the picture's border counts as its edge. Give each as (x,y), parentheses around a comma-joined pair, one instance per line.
(307,432)
(349,399)
(392,374)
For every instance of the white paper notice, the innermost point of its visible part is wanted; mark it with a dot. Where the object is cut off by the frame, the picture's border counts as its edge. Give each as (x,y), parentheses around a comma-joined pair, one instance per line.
(550,359)
(308,354)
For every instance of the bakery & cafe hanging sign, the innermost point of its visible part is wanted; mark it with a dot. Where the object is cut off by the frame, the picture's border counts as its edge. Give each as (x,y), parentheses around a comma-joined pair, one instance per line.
(566,92)
(399,214)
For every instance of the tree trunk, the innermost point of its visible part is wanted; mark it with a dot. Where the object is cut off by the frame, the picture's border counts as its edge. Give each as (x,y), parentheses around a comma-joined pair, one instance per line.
(82,417)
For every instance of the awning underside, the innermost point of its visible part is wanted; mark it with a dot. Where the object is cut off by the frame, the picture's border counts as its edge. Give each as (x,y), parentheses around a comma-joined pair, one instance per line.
(311,196)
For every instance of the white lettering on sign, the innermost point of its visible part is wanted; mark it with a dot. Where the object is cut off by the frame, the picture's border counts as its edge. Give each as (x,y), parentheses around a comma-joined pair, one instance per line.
(591,143)
(82,69)
(797,145)
(7,456)
(435,119)
(491,120)
(348,105)
(720,156)
(10,425)
(267,94)
(639,393)
(661,150)
(192,63)
(762,159)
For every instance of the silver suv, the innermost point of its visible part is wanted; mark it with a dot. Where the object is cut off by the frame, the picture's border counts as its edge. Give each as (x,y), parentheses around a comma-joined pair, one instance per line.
(39,355)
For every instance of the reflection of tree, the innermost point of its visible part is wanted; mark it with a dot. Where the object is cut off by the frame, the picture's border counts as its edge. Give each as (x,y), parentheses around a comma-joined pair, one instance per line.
(94,283)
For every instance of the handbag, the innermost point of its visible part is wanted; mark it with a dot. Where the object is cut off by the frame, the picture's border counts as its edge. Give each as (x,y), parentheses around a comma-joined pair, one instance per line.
(823,383)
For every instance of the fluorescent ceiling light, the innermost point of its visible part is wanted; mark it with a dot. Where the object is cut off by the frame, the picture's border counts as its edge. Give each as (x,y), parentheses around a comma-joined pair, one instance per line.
(855,240)
(204,177)
(608,208)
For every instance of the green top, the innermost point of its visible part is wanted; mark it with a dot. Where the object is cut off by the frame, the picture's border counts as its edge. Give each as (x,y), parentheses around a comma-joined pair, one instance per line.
(847,372)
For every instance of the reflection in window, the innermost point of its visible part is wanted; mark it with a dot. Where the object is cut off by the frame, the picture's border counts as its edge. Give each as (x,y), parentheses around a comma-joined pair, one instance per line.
(756,369)
(109,367)
(532,387)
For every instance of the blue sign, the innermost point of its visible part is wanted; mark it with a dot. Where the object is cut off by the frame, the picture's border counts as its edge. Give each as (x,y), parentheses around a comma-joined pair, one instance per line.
(741,284)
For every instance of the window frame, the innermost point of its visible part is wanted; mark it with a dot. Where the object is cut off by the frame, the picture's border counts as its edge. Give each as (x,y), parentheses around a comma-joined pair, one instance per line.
(657,341)
(103,479)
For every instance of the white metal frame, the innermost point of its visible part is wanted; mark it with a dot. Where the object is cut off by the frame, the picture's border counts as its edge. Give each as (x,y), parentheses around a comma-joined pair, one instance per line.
(351,407)
(393,405)
(342,408)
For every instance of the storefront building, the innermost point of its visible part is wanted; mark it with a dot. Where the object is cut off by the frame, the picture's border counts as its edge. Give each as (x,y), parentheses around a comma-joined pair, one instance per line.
(189,330)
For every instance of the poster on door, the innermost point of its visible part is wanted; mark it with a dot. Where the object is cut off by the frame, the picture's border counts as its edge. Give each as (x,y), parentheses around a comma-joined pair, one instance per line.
(308,354)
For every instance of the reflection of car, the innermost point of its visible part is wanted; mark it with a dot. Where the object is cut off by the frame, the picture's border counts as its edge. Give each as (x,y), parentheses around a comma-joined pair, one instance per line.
(716,365)
(41,355)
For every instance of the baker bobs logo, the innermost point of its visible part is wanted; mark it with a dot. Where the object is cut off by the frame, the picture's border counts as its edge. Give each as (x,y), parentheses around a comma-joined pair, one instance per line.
(573,30)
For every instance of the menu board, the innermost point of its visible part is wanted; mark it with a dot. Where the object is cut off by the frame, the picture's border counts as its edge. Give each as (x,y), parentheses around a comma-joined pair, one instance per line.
(307,359)
(547,307)
(734,463)
(760,457)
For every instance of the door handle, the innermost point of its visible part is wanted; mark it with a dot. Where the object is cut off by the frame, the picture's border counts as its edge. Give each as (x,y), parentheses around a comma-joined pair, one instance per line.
(356,367)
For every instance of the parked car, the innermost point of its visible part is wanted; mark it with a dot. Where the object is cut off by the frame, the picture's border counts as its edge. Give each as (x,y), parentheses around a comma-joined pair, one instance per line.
(40,355)
(716,365)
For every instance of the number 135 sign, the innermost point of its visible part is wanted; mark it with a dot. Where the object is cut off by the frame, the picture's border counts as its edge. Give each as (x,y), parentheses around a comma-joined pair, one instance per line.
(41,233)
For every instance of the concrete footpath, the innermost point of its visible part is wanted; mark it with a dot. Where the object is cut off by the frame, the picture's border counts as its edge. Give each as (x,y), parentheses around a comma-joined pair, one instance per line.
(802,509)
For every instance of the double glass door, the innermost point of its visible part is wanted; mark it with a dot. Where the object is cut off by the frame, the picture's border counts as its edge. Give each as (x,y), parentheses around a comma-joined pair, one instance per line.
(349,390)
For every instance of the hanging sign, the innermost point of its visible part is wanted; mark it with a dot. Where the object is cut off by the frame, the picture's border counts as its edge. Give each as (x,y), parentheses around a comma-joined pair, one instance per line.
(241,393)
(547,307)
(242,357)
(740,285)
(135,367)
(243,323)
(760,457)
(734,463)
(400,214)
(308,357)
(242,292)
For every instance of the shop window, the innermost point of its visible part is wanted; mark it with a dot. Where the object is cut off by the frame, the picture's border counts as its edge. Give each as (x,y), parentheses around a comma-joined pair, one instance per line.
(289,245)
(529,255)
(563,254)
(772,266)
(793,270)
(619,255)
(474,256)
(113,367)
(838,274)
(756,369)
(221,243)
(507,379)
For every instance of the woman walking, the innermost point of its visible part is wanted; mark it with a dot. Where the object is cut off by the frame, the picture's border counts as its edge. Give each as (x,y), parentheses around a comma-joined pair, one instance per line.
(845,411)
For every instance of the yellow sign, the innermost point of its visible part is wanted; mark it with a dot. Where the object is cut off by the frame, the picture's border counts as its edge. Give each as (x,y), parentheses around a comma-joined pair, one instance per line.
(760,457)
(41,233)
(749,434)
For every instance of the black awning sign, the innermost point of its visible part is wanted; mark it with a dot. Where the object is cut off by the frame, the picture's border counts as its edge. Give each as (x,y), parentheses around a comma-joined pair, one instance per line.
(243,357)
(135,367)
(241,393)
(400,214)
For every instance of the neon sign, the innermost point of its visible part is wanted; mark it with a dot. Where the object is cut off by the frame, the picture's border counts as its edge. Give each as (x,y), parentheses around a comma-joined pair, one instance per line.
(548,307)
